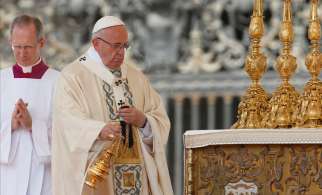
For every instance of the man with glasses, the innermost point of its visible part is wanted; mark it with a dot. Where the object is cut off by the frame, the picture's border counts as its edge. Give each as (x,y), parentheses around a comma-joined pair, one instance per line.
(103,104)
(26,96)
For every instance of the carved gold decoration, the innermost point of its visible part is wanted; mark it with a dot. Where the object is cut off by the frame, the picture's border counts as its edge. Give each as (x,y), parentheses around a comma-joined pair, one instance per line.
(310,108)
(271,169)
(283,104)
(254,103)
(188,173)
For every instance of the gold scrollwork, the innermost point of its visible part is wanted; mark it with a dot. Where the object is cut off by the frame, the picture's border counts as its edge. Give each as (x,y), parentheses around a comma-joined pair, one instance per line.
(274,169)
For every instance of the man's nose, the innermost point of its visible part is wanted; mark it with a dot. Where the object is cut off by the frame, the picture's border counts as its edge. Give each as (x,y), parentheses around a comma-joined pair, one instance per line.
(120,51)
(22,52)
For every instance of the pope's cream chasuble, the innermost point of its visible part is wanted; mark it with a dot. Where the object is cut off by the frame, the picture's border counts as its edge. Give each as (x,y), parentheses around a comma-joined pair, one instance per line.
(88,95)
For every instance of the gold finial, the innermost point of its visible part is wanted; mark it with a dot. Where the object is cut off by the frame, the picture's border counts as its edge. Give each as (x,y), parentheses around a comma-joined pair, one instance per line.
(314,10)
(258,8)
(287,11)
(286,34)
(256,26)
(254,103)
(309,112)
(314,33)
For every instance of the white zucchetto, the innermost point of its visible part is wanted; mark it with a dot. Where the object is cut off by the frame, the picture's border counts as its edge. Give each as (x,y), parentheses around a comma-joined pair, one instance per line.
(107,21)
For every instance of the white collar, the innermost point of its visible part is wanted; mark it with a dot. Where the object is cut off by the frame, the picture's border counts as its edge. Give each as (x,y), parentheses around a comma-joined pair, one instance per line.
(28,69)
(95,64)
(92,53)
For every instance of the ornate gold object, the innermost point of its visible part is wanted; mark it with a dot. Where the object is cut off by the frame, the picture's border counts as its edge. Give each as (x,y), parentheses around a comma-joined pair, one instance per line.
(310,107)
(118,154)
(256,169)
(188,172)
(101,167)
(254,103)
(283,103)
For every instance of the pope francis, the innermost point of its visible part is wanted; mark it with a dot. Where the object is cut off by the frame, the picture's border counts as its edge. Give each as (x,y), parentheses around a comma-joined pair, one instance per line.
(106,109)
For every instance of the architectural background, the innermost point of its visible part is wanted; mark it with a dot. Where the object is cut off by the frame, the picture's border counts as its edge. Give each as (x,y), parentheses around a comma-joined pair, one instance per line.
(192,50)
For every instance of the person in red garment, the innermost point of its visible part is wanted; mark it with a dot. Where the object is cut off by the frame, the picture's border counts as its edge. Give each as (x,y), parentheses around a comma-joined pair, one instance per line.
(26,104)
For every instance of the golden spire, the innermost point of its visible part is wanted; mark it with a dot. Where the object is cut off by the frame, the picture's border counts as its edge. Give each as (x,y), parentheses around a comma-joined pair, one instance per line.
(254,102)
(314,36)
(287,11)
(314,11)
(258,8)
(309,112)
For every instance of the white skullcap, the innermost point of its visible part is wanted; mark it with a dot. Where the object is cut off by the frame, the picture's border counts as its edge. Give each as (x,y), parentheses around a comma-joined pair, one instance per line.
(105,22)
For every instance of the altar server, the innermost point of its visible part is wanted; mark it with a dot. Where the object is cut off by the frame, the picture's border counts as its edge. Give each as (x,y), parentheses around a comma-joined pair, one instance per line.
(26,105)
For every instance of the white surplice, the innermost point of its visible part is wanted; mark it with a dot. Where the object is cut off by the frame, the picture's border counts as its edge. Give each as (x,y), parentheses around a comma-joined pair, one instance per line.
(25,156)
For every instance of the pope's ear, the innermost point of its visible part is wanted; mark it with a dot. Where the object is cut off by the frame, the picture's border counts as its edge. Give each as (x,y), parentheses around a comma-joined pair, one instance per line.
(95,43)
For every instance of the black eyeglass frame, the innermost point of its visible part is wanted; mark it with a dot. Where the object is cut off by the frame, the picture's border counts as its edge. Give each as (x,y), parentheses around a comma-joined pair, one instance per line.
(115,45)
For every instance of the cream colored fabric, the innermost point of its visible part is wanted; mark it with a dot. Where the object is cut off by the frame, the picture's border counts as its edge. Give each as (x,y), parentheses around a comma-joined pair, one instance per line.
(80,112)
(202,138)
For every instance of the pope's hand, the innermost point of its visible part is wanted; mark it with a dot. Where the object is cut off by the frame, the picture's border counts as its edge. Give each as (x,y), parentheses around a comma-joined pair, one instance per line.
(132,116)
(111,130)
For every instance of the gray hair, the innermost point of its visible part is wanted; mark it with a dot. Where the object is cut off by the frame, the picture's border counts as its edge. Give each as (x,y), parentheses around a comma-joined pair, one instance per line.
(25,19)
(98,33)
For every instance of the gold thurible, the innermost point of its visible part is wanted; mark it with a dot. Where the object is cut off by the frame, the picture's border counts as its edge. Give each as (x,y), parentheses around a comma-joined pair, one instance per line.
(284,101)
(101,167)
(309,113)
(254,103)
(117,153)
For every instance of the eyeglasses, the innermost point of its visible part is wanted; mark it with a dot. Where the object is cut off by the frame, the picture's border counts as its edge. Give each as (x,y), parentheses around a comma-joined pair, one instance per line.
(115,45)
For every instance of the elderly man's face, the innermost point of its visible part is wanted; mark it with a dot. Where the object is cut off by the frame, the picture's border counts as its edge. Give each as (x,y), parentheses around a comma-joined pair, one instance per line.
(25,44)
(110,44)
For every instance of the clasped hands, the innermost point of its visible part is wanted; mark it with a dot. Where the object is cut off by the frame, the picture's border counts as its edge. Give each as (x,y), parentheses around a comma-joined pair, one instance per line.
(21,117)
(130,115)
